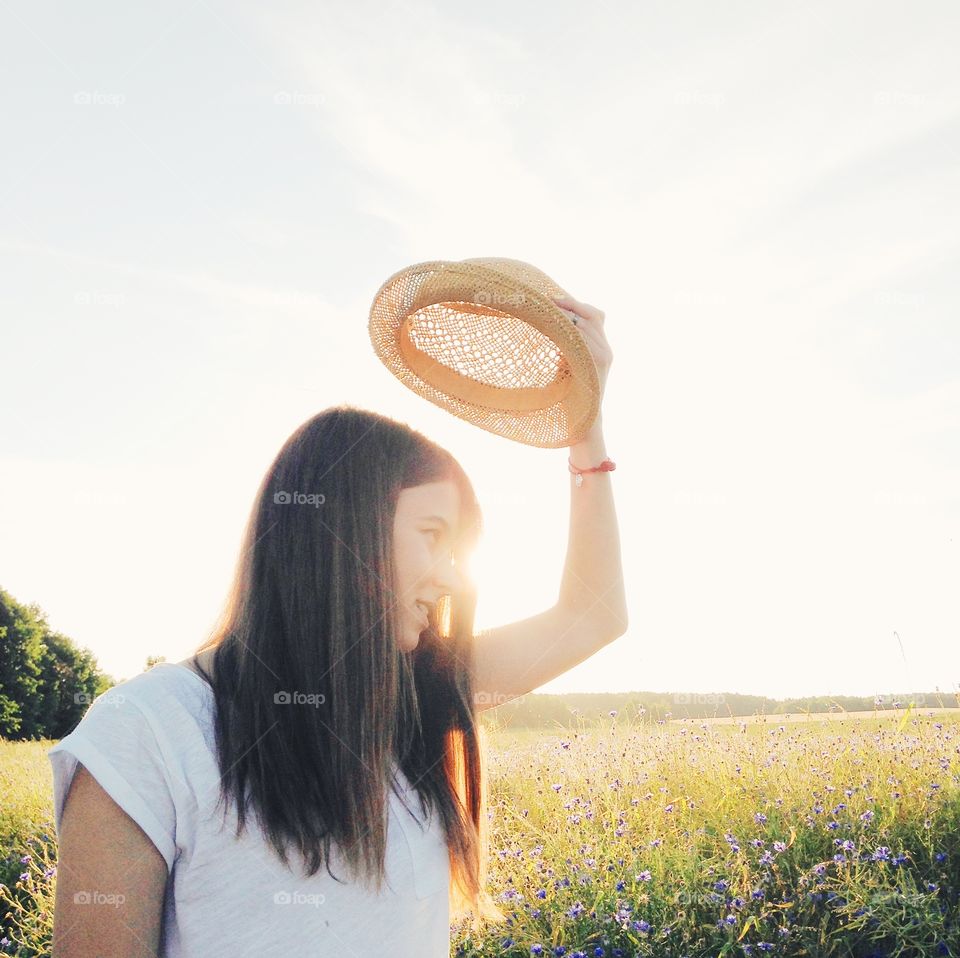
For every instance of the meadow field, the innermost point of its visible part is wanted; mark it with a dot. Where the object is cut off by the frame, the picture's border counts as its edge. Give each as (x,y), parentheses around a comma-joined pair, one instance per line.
(838,837)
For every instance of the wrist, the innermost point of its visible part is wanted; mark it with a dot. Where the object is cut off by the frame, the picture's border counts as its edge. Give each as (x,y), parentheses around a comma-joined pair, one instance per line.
(591,449)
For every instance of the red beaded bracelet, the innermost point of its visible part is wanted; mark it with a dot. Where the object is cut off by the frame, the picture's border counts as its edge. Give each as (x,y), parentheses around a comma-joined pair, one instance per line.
(608,465)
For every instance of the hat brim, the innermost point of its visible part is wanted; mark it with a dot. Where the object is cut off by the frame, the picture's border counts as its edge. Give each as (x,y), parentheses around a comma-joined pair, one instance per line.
(483,339)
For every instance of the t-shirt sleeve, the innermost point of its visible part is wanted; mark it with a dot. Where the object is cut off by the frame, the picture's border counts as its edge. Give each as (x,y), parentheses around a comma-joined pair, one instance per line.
(117,743)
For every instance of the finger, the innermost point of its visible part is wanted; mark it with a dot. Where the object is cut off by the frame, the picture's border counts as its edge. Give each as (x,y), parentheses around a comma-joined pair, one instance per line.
(586,310)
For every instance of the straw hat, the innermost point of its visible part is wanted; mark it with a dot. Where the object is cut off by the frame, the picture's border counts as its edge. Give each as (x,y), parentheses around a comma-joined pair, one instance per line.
(482,339)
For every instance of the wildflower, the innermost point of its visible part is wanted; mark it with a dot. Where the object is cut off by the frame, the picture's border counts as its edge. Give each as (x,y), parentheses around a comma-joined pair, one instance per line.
(866,816)
(779,846)
(644,876)
(882,854)
(760,818)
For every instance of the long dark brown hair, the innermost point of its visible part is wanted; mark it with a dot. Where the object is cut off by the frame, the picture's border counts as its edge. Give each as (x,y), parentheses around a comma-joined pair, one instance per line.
(313,612)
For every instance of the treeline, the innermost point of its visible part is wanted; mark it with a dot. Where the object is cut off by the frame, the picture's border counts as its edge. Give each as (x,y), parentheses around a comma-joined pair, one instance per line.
(46,682)
(555,711)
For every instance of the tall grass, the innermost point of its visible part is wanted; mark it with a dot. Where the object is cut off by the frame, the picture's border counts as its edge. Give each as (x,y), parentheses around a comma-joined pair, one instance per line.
(817,838)
(832,838)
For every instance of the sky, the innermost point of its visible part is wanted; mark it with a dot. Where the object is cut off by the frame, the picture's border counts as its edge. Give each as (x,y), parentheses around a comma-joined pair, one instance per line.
(198,202)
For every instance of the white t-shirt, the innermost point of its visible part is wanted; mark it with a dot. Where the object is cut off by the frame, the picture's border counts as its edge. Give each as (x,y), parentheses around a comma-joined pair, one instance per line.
(150,743)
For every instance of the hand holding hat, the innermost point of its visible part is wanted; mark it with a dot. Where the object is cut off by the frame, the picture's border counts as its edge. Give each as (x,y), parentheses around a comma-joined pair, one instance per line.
(589,322)
(497,343)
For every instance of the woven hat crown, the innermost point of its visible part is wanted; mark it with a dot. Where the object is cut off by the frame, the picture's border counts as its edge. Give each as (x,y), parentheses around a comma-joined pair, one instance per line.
(482,339)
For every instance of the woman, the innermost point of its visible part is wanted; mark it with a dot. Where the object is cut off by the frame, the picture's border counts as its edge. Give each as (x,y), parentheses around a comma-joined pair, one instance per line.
(344,670)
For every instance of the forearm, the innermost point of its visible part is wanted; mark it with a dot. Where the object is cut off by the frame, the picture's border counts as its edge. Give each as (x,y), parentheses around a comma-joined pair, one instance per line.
(592,583)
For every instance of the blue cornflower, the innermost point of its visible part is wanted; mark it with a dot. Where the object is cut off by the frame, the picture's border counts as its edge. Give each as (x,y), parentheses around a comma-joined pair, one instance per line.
(882,854)
(644,876)
(760,817)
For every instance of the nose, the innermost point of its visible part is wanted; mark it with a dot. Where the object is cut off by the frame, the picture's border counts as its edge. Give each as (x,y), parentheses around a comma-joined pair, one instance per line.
(446,576)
